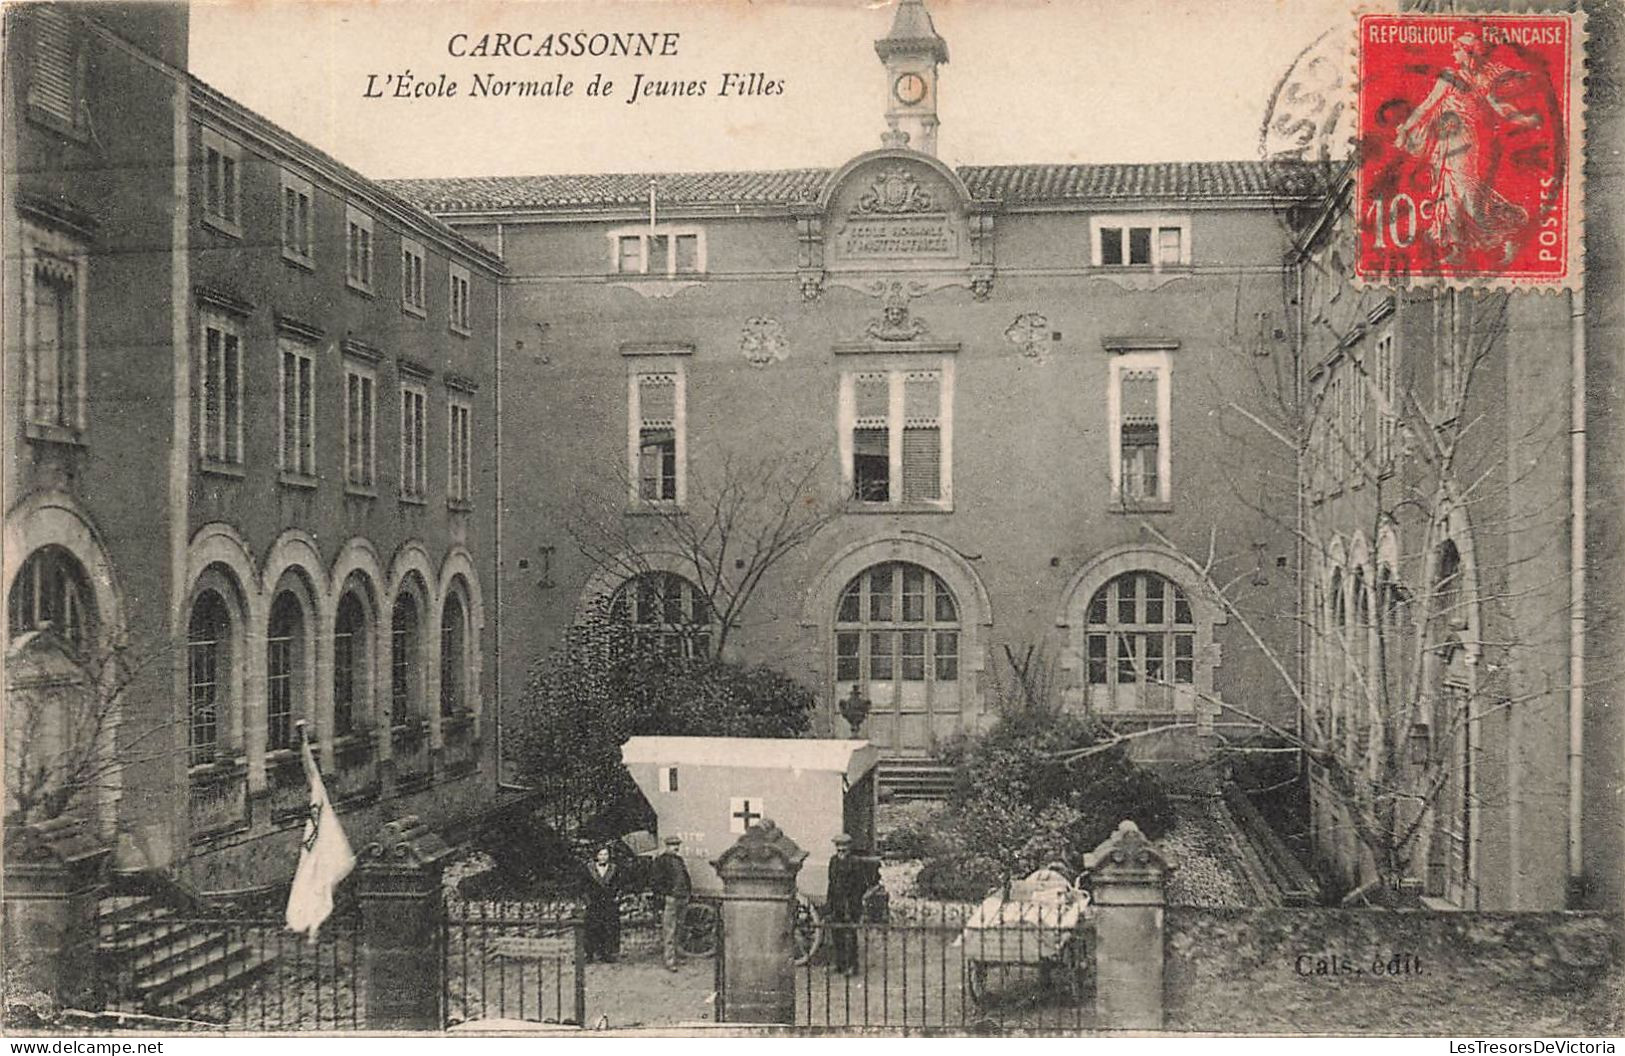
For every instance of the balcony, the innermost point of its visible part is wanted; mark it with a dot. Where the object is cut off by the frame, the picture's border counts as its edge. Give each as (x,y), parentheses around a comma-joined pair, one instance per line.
(217,800)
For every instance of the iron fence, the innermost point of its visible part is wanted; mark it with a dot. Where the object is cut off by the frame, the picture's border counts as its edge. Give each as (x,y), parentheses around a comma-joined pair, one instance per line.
(208,973)
(508,961)
(937,974)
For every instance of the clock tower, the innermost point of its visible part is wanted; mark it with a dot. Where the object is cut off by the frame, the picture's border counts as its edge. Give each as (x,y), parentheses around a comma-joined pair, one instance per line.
(912,51)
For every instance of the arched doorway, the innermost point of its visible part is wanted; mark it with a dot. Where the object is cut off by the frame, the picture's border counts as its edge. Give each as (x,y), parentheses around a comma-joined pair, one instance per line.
(898,643)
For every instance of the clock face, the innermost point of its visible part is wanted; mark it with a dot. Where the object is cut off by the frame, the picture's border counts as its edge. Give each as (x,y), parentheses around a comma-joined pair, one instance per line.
(910,88)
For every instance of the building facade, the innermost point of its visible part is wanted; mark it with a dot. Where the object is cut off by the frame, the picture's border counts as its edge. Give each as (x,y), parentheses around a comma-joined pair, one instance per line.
(246,485)
(1461,479)
(1011,387)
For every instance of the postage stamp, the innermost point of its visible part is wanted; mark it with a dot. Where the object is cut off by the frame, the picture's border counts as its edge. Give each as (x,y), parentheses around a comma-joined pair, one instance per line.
(1470,132)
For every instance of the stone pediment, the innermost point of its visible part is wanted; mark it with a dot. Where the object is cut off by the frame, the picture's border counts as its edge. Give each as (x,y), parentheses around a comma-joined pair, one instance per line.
(895,213)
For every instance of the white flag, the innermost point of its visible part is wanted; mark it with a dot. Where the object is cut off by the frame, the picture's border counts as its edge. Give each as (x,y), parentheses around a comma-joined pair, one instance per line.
(325,857)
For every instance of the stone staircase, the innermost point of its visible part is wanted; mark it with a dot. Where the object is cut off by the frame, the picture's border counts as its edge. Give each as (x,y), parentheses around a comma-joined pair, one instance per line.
(914,779)
(159,962)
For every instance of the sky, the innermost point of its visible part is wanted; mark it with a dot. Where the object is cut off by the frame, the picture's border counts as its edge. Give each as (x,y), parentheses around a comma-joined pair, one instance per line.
(1027,81)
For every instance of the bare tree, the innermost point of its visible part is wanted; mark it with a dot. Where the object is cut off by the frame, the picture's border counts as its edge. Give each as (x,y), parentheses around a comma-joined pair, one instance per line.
(1456,606)
(66,742)
(741,516)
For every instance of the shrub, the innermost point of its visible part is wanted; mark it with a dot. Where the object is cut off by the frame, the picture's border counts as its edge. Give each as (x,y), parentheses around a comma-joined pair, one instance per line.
(923,833)
(959,878)
(578,707)
(1016,803)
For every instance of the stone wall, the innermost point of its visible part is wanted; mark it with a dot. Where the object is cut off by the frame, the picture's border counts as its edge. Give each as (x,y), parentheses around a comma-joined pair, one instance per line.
(1373,971)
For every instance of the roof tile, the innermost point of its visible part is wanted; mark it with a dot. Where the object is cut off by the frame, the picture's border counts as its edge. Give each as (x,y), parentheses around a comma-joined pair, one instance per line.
(1015,184)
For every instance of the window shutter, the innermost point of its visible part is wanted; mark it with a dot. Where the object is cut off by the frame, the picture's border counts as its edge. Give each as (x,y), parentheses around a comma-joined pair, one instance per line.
(922,464)
(871,399)
(1139,397)
(52,86)
(657,400)
(922,397)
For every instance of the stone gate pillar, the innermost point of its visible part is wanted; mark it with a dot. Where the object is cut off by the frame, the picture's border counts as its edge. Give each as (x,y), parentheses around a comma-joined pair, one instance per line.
(53,878)
(1129,878)
(398,887)
(758,914)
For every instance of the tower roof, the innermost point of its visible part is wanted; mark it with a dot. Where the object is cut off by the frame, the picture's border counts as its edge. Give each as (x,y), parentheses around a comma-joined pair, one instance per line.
(911,33)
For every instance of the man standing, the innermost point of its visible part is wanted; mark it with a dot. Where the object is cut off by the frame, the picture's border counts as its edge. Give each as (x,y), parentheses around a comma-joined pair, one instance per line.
(844,904)
(671,883)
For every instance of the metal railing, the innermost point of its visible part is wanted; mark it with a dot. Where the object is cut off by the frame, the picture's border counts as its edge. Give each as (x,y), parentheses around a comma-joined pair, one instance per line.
(934,974)
(507,961)
(212,973)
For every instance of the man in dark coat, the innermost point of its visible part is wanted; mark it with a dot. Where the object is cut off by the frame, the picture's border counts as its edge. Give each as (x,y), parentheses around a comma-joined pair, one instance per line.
(844,904)
(672,884)
(602,885)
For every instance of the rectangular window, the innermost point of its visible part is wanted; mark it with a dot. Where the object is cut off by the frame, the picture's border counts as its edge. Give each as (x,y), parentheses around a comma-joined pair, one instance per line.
(360,427)
(53,318)
(400,674)
(847,667)
(459,456)
(880,656)
(358,249)
(220,424)
(298,219)
(1142,241)
(1139,246)
(1387,399)
(1139,405)
(895,435)
(278,692)
(344,644)
(222,183)
(667,251)
(414,433)
(1097,659)
(297,398)
(202,657)
(413,298)
(656,420)
(57,70)
(1184,659)
(459,300)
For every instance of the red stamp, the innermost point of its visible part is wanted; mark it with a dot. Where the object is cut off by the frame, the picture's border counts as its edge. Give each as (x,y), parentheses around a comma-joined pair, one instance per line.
(1468,150)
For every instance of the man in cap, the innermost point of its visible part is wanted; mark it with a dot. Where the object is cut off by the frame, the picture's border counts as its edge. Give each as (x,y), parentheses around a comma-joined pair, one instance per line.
(671,883)
(844,904)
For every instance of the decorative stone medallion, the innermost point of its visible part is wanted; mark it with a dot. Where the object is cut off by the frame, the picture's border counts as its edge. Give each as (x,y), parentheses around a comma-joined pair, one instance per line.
(1030,332)
(762,341)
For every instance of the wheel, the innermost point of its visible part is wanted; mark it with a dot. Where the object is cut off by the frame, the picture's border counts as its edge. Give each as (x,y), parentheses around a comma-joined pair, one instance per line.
(976,981)
(697,934)
(807,933)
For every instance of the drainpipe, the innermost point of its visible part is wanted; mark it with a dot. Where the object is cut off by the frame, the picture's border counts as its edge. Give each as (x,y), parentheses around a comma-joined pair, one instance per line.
(496,610)
(1577,585)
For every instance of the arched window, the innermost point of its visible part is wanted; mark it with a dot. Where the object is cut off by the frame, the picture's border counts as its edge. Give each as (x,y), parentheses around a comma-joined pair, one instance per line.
(1141,642)
(52,593)
(897,641)
(664,612)
(349,663)
(1447,587)
(208,671)
(1338,665)
(453,659)
(405,696)
(284,670)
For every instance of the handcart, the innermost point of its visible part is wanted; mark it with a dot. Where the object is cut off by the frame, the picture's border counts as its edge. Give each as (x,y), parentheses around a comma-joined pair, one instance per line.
(1044,923)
